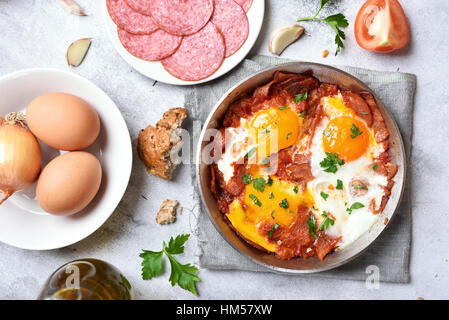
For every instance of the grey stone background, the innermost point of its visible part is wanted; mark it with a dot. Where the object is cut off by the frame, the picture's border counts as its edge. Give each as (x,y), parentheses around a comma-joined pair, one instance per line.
(36,33)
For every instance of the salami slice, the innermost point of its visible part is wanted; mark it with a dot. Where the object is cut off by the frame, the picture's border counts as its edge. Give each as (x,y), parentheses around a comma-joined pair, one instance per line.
(198,56)
(151,47)
(141,6)
(128,19)
(245,4)
(181,17)
(230,18)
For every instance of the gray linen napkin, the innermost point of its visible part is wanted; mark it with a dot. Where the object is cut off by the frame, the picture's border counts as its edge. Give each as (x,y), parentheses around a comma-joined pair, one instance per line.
(391,252)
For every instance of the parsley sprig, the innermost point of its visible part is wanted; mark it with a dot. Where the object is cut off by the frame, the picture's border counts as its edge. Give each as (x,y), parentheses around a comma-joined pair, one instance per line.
(326,223)
(331,162)
(336,21)
(184,275)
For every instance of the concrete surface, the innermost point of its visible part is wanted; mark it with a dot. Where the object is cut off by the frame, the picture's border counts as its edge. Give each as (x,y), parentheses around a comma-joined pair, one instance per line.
(37,33)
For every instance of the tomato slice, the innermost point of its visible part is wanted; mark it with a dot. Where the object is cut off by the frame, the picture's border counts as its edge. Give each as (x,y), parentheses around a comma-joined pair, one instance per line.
(381,25)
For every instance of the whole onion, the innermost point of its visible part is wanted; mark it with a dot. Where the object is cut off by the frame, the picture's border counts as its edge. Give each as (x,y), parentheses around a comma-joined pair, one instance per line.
(20,155)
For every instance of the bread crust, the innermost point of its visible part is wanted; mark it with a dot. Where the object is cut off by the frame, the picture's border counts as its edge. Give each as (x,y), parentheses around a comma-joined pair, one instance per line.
(156,143)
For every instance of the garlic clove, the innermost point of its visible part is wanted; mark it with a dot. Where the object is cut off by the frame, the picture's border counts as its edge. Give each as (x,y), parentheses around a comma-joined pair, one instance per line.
(282,37)
(77,51)
(73,7)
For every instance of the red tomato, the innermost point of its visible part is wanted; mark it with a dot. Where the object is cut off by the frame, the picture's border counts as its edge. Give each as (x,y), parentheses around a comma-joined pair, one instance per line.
(381,25)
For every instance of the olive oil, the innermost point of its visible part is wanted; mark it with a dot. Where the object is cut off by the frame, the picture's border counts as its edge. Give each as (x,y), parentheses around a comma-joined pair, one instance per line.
(86,279)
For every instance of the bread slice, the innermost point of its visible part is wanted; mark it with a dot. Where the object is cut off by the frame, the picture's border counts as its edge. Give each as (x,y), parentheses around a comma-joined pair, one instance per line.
(156,143)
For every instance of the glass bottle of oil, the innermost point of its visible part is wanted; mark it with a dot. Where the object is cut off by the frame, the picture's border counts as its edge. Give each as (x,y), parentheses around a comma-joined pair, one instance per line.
(86,279)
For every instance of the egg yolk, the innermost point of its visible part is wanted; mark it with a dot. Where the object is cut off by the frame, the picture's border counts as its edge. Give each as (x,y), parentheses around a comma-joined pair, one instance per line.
(274,129)
(277,203)
(347,137)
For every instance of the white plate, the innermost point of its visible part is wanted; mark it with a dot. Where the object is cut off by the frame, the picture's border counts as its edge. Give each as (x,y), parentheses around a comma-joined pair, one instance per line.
(156,71)
(23,223)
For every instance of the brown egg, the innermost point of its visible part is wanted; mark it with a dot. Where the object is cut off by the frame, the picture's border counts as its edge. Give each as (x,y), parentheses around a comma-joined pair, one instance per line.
(69,183)
(63,121)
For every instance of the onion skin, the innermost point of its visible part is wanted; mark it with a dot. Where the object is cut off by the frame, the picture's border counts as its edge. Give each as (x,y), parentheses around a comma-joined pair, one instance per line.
(20,158)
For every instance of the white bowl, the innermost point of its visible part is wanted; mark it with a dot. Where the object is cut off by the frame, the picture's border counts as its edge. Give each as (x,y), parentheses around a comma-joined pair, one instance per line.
(155,70)
(23,223)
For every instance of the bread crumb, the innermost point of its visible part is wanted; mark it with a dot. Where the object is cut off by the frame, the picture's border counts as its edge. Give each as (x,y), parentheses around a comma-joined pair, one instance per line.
(155,144)
(325,53)
(167,212)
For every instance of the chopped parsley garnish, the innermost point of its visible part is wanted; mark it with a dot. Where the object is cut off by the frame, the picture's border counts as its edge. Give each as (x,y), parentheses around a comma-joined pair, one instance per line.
(301,97)
(283,204)
(355,205)
(326,133)
(265,161)
(271,195)
(272,214)
(336,21)
(282,108)
(255,200)
(355,131)
(259,184)
(326,222)
(247,178)
(375,167)
(275,226)
(250,152)
(312,223)
(331,162)
(303,114)
(324,195)
(288,135)
(295,189)
(339,184)
(360,186)
(269,182)
(290,211)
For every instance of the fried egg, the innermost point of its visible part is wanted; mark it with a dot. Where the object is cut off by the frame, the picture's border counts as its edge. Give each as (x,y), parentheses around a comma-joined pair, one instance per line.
(354,182)
(345,194)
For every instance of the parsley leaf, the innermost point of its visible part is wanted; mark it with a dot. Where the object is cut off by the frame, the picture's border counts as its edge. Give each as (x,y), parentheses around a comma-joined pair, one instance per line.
(255,200)
(284,204)
(355,205)
(183,275)
(336,21)
(176,246)
(360,186)
(295,189)
(259,184)
(330,162)
(339,184)
(269,182)
(355,131)
(301,97)
(312,223)
(303,114)
(246,178)
(326,222)
(275,226)
(288,135)
(324,195)
(282,108)
(375,167)
(265,161)
(271,196)
(151,264)
(272,214)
